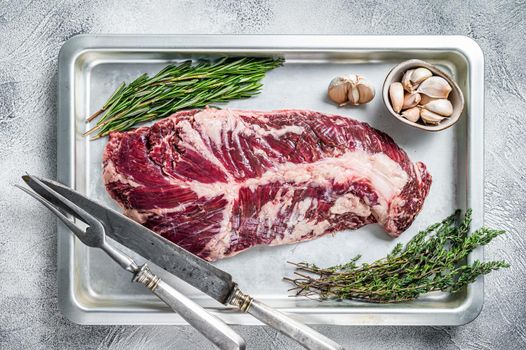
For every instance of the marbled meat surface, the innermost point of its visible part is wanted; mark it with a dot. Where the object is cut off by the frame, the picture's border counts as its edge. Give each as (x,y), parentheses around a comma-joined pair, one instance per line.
(217,182)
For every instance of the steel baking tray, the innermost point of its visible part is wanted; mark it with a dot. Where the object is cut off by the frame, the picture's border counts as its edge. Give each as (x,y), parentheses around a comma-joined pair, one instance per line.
(92,290)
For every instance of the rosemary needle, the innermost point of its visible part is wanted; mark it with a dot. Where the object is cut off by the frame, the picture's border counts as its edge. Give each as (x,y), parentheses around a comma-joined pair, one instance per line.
(434,260)
(178,87)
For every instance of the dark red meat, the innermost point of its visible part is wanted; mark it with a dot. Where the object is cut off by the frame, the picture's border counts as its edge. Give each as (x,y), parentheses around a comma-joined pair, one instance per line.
(217,182)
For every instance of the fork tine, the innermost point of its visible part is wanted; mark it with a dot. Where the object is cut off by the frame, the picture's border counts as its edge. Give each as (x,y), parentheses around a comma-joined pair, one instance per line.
(48,193)
(54,197)
(93,236)
(74,228)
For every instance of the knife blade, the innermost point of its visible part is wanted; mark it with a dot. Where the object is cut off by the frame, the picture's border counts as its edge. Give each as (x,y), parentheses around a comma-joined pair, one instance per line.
(199,273)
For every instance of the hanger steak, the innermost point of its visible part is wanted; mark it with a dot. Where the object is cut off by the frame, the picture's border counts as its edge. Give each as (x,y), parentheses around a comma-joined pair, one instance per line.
(217,182)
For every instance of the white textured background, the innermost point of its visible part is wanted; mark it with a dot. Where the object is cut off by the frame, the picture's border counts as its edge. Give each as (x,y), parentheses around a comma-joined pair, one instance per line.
(31,34)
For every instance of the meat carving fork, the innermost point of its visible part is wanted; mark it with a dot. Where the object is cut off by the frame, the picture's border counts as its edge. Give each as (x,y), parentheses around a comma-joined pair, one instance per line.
(94,236)
(199,273)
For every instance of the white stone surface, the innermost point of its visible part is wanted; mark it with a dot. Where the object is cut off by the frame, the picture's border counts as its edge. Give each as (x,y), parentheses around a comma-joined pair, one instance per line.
(31,34)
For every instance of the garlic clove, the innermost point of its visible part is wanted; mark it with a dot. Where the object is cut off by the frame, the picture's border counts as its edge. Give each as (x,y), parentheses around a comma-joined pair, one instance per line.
(354,95)
(411,100)
(430,118)
(396,94)
(419,75)
(426,99)
(436,87)
(412,114)
(366,92)
(406,82)
(442,107)
(339,89)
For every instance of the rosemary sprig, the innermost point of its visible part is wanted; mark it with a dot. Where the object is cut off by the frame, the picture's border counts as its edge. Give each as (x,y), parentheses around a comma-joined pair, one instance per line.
(433,260)
(179,87)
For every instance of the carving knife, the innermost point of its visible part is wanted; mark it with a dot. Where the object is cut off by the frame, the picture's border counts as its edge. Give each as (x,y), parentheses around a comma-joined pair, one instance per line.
(199,273)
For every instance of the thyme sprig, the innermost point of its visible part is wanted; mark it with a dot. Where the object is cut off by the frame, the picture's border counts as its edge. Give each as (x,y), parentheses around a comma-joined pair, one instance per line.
(433,260)
(179,87)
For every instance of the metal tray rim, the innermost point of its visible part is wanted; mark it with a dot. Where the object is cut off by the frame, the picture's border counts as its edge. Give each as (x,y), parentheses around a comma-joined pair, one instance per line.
(72,306)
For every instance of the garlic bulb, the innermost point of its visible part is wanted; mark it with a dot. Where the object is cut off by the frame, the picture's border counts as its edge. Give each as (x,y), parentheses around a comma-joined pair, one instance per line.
(352,89)
(430,118)
(412,114)
(436,87)
(411,100)
(442,107)
(396,94)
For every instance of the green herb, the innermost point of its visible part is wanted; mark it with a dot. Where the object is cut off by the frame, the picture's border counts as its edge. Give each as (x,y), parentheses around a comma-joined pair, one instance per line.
(434,260)
(179,87)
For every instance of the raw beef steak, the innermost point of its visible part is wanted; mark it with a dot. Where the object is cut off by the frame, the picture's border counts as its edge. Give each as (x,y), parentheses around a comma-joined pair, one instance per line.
(217,182)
